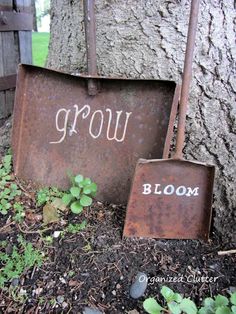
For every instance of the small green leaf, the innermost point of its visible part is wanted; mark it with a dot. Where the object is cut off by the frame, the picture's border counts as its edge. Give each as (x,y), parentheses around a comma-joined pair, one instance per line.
(233,308)
(233,298)
(8,205)
(75,191)
(87,190)
(83,225)
(220,300)
(188,306)
(167,293)
(85,200)
(223,310)
(7,159)
(151,306)
(87,181)
(13,186)
(174,308)
(205,310)
(177,298)
(209,302)
(76,208)
(79,178)
(67,198)
(93,187)
(3,202)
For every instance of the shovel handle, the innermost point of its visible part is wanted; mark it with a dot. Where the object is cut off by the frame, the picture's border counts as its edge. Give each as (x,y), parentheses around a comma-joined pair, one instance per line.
(90,38)
(186,78)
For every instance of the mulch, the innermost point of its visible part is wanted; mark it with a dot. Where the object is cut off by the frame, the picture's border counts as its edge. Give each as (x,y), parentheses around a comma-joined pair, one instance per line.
(96,266)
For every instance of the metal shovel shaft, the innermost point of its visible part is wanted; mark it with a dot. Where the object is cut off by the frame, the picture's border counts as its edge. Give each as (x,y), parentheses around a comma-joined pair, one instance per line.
(90,38)
(186,78)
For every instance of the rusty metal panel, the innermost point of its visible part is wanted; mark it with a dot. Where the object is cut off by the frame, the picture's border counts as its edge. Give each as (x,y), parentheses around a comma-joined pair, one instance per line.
(170,199)
(59,127)
(12,21)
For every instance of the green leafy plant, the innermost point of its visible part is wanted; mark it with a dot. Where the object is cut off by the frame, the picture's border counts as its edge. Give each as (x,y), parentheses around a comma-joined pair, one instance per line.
(219,305)
(176,304)
(75,228)
(8,190)
(14,264)
(80,194)
(19,212)
(48,239)
(5,170)
(46,195)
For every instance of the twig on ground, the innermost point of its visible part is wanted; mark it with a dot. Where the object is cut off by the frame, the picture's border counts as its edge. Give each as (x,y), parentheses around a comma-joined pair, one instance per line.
(7,225)
(227,252)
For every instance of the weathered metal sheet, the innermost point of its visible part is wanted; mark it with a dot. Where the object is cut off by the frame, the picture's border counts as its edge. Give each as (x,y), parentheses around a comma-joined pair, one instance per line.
(59,127)
(170,199)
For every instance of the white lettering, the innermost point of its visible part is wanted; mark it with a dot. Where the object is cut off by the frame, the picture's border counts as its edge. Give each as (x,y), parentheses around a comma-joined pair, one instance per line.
(91,124)
(117,124)
(181,190)
(67,112)
(169,189)
(192,191)
(84,112)
(147,188)
(77,112)
(156,189)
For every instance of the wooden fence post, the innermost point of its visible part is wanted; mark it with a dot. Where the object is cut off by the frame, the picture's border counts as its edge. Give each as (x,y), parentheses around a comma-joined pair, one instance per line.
(15,48)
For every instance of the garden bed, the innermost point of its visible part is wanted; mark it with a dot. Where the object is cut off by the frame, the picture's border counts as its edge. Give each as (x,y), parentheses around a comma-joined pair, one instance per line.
(95,267)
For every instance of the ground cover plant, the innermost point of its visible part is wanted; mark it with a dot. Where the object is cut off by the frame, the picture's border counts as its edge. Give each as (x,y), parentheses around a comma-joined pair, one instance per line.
(80,194)
(176,304)
(62,265)
(18,260)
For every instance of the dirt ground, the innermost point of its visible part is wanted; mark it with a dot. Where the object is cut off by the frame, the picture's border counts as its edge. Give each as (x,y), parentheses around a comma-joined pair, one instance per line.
(95,267)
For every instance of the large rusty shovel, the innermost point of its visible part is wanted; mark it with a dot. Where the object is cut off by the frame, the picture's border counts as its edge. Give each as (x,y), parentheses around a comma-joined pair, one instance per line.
(172,198)
(88,124)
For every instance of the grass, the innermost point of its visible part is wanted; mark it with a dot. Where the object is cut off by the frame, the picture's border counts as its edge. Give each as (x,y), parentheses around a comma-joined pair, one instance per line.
(40,43)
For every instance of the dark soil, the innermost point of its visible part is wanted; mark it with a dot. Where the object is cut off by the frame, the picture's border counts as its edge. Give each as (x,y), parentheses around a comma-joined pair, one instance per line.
(96,267)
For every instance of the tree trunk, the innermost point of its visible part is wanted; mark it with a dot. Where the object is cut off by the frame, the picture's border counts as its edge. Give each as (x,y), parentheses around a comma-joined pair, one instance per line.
(147,39)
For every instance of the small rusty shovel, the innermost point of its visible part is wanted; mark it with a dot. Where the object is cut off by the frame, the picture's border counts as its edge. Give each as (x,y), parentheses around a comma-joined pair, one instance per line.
(172,198)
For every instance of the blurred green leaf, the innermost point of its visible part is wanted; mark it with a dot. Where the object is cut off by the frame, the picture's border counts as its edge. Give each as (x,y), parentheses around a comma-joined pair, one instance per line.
(151,306)
(76,207)
(86,200)
(188,306)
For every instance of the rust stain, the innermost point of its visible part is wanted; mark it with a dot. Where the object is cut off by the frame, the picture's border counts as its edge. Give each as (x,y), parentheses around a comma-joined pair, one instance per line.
(58,127)
(170,199)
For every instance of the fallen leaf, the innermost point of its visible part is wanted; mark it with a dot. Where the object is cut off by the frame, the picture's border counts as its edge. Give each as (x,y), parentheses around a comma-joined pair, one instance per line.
(73,283)
(133,312)
(50,214)
(58,203)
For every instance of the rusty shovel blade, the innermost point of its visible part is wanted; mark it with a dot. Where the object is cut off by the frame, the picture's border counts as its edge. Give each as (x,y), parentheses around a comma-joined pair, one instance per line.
(58,127)
(170,199)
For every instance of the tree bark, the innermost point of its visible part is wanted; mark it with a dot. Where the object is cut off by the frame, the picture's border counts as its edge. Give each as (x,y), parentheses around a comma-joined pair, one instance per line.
(146,39)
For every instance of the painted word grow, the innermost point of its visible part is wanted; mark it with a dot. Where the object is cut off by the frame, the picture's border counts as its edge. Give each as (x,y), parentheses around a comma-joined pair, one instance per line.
(102,118)
(169,189)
